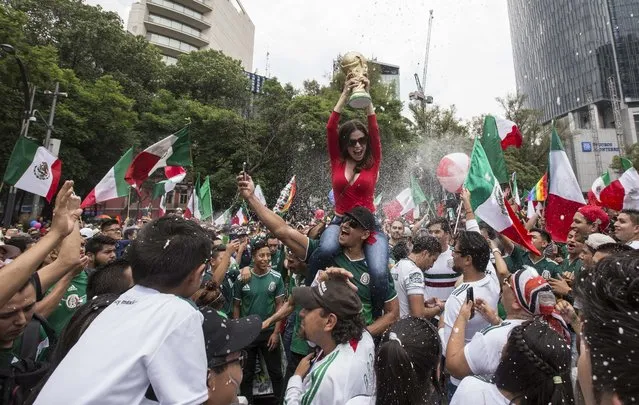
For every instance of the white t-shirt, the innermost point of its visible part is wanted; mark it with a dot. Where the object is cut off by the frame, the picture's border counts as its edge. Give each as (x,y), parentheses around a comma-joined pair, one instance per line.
(474,391)
(441,278)
(633,244)
(345,373)
(143,338)
(487,289)
(362,400)
(409,280)
(483,352)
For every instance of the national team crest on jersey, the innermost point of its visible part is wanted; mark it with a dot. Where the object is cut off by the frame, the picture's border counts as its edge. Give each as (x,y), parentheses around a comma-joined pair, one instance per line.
(365,278)
(271,286)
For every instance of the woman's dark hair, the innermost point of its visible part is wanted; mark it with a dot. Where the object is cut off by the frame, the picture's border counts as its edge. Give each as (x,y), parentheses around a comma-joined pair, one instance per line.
(71,334)
(610,297)
(535,366)
(166,251)
(407,364)
(346,329)
(345,131)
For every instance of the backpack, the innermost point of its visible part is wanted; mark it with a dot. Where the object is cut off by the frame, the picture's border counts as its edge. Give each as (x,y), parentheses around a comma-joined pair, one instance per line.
(17,381)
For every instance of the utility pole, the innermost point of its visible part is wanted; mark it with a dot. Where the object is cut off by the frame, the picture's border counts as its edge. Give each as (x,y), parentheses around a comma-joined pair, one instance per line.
(36,198)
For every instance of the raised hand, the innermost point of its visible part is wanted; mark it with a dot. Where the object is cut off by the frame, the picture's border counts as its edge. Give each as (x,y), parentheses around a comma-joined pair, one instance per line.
(67,210)
(245,185)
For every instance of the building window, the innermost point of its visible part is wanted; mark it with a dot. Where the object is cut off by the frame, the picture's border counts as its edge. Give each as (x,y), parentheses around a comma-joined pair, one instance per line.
(179,8)
(169,197)
(169,60)
(184,198)
(171,42)
(167,22)
(636,118)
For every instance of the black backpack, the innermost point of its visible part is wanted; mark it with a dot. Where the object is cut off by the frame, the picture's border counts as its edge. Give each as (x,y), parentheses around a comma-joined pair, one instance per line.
(18,380)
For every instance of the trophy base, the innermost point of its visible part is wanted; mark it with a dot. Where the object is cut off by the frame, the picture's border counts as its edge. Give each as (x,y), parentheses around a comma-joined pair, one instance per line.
(359,100)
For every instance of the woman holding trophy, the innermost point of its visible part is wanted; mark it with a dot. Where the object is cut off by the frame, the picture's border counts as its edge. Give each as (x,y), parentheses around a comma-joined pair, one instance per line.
(355,152)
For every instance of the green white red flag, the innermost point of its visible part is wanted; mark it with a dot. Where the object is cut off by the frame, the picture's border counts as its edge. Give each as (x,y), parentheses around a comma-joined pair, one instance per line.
(622,193)
(174,150)
(564,193)
(33,168)
(286,197)
(112,184)
(488,203)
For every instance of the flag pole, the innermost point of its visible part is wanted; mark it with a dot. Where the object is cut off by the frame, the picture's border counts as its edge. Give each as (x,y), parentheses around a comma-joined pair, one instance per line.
(128,206)
(459,210)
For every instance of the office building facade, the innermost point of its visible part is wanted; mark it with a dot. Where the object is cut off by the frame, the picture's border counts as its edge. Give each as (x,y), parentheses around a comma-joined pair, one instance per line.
(567,56)
(181,26)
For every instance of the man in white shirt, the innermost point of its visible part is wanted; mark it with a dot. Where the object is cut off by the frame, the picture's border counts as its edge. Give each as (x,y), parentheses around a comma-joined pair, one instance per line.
(151,336)
(627,228)
(409,277)
(440,279)
(471,256)
(343,369)
(524,294)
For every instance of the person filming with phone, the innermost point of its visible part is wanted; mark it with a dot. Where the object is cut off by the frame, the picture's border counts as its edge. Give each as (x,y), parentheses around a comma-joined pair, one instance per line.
(471,256)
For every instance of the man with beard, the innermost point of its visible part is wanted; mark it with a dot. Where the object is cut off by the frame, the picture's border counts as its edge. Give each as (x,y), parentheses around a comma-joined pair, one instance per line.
(471,256)
(396,233)
(343,369)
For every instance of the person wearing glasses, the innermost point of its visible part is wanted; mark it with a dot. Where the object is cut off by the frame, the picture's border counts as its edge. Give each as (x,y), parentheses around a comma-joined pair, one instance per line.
(525,295)
(356,228)
(355,153)
(226,341)
(262,295)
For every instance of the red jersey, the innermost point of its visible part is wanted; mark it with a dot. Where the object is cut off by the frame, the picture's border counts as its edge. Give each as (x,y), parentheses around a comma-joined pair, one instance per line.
(361,192)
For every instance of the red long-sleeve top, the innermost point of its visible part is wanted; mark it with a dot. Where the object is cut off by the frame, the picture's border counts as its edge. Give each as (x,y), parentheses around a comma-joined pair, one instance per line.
(361,192)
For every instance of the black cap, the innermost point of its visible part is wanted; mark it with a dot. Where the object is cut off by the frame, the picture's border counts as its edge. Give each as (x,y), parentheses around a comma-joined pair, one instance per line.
(333,295)
(223,336)
(363,216)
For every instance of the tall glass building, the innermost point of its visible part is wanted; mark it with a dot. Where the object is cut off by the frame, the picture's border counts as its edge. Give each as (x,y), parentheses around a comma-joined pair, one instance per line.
(565,55)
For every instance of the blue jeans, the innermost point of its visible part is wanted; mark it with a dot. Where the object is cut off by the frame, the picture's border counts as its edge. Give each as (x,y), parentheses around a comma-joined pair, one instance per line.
(376,260)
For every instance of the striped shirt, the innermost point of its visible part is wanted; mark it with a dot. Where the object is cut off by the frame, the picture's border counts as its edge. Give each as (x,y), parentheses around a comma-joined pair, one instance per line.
(440,279)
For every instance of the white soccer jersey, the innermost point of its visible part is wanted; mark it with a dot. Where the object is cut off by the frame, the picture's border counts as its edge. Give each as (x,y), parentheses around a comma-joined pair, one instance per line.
(483,352)
(409,280)
(487,289)
(441,278)
(345,373)
(474,391)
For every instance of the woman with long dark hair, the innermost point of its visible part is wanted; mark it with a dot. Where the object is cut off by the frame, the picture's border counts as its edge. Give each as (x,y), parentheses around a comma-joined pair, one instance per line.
(534,369)
(407,366)
(355,151)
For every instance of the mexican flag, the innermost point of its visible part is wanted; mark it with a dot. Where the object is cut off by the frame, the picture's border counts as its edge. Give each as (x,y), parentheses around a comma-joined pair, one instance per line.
(259,194)
(491,143)
(487,200)
(193,206)
(239,218)
(594,195)
(286,197)
(406,201)
(508,133)
(162,207)
(515,189)
(112,184)
(174,150)
(622,193)
(223,219)
(206,203)
(33,168)
(564,194)
(174,175)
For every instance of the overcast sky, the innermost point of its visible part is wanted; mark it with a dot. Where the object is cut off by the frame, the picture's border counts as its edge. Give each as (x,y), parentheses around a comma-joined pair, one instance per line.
(470,59)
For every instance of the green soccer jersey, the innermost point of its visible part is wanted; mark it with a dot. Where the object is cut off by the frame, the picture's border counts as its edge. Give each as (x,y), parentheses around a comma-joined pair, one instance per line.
(571,267)
(75,296)
(520,257)
(298,345)
(361,279)
(257,297)
(277,262)
(10,356)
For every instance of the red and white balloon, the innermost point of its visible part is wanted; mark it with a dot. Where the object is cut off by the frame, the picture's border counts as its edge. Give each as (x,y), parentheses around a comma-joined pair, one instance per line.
(452,171)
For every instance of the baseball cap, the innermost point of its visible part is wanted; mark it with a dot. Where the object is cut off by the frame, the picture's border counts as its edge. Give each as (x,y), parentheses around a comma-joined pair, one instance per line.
(596,215)
(597,239)
(86,232)
(333,295)
(363,216)
(223,336)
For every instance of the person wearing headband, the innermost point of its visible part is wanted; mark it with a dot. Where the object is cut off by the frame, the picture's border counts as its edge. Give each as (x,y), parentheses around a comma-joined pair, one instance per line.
(525,295)
(534,369)
(590,219)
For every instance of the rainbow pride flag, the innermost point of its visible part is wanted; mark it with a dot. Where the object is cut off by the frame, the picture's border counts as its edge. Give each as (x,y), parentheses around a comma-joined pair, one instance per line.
(540,191)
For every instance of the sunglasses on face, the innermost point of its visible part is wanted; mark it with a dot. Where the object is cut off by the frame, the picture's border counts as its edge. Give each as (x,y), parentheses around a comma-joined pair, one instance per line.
(362,141)
(353,223)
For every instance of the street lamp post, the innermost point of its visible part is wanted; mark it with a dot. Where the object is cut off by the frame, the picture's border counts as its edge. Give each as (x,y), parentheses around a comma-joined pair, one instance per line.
(7,49)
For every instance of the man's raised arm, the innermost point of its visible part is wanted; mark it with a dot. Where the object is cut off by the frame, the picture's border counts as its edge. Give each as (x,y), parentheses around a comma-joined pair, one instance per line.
(297,242)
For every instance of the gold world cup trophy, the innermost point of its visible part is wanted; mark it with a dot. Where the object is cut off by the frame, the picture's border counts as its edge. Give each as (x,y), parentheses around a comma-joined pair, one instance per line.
(354,65)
